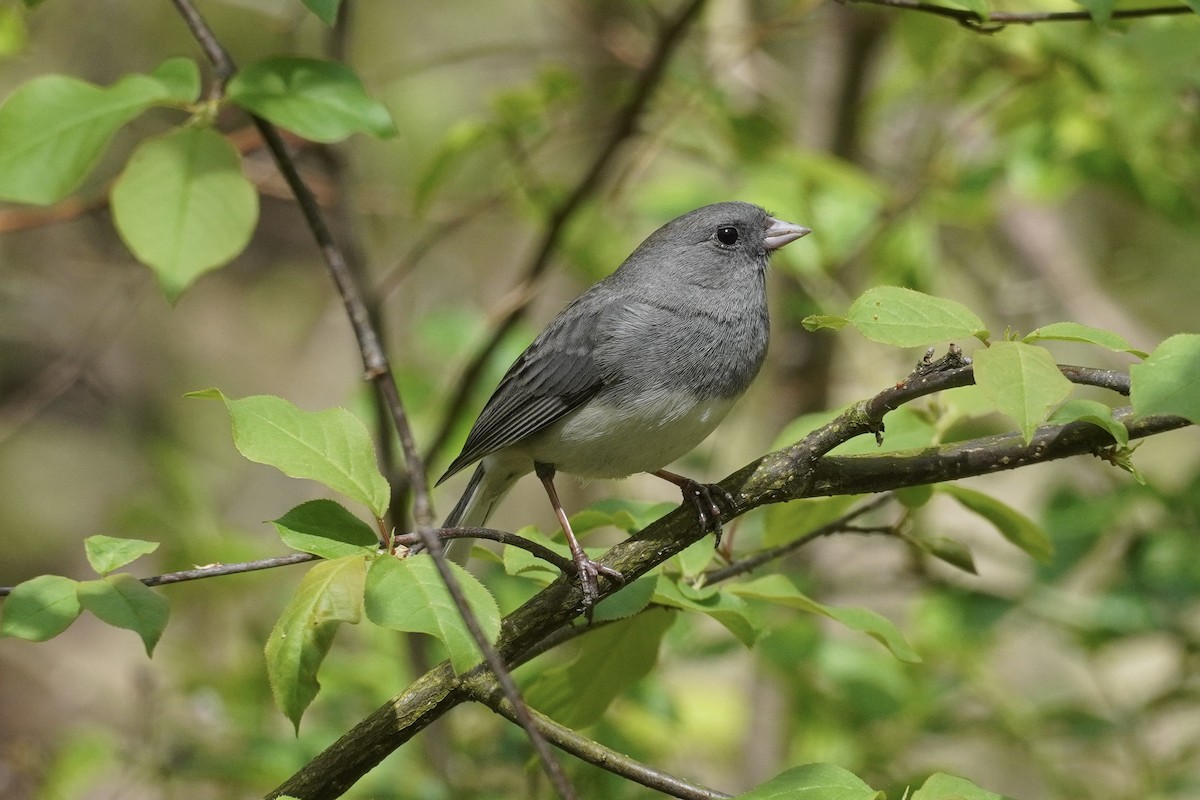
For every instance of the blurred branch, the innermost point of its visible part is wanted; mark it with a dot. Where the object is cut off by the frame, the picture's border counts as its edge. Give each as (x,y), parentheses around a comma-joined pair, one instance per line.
(998,20)
(379,372)
(624,127)
(798,471)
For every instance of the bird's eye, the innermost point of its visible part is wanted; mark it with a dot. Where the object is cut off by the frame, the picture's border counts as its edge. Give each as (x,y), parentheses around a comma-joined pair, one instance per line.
(727,235)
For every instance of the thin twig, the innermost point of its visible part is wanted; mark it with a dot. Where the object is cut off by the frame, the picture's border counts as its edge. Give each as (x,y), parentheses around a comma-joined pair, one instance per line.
(378,370)
(564,564)
(997,20)
(624,126)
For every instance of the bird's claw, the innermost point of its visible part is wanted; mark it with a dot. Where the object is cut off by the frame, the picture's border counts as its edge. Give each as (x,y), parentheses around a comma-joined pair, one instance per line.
(588,572)
(703,497)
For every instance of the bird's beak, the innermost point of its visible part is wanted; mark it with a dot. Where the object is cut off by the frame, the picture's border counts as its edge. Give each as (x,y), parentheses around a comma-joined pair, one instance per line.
(779,233)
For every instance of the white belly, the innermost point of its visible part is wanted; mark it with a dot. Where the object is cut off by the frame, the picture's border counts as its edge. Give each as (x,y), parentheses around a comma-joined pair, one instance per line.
(614,442)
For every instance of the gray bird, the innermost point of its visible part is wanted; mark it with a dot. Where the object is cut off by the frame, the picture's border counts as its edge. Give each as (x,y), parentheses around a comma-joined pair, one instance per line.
(635,372)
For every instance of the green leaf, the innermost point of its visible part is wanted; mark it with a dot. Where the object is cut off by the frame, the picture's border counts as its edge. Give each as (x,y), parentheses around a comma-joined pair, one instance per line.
(54,129)
(106,553)
(912,497)
(610,660)
(815,322)
(1074,332)
(329,594)
(980,7)
(780,590)
(1093,412)
(952,551)
(1012,524)
(14,35)
(183,206)
(325,10)
(813,782)
(326,529)
(319,100)
(180,79)
(408,595)
(1022,381)
(905,318)
(626,601)
(1101,10)
(723,606)
(1169,380)
(331,446)
(123,601)
(40,608)
(941,786)
(786,522)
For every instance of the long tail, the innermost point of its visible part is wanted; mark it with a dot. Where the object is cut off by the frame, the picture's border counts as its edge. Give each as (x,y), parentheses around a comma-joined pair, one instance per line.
(487,487)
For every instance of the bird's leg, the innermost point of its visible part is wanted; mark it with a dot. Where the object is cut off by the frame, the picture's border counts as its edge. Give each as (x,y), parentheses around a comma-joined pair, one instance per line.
(586,568)
(703,496)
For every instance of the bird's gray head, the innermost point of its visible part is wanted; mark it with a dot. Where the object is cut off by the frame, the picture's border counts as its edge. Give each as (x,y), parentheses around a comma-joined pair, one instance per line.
(712,245)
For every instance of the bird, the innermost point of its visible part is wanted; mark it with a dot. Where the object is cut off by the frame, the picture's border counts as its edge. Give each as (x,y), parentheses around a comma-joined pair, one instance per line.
(634,373)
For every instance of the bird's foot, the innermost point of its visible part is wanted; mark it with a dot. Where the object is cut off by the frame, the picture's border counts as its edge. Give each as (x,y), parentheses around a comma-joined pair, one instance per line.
(703,497)
(588,572)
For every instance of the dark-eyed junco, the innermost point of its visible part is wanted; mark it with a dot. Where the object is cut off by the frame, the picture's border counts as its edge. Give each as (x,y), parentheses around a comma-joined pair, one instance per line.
(635,372)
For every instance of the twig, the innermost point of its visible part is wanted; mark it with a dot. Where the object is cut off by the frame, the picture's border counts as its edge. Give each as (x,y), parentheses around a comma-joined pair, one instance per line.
(564,564)
(997,20)
(594,753)
(379,372)
(623,128)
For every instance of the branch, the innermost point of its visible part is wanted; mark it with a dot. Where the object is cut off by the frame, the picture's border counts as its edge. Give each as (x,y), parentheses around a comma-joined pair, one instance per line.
(623,128)
(997,20)
(799,471)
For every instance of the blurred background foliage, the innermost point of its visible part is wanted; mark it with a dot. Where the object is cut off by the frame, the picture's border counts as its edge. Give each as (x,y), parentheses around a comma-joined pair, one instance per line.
(1042,173)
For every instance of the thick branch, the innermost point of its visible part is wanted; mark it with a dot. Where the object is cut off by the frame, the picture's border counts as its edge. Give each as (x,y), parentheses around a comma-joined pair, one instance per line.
(997,20)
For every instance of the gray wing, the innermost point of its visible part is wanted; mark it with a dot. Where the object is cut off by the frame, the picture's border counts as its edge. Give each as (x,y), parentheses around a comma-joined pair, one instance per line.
(555,375)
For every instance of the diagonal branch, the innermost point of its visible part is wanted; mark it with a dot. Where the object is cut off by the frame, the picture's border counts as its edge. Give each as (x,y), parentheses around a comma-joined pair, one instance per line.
(997,20)
(794,472)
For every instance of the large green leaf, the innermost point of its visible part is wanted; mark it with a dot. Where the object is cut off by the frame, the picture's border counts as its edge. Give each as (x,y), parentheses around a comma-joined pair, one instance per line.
(40,608)
(1169,380)
(1094,412)
(779,589)
(183,206)
(610,660)
(941,786)
(905,318)
(1022,381)
(408,595)
(329,594)
(331,446)
(125,602)
(723,606)
(319,100)
(53,129)
(1012,524)
(1075,332)
(813,782)
(325,528)
(106,553)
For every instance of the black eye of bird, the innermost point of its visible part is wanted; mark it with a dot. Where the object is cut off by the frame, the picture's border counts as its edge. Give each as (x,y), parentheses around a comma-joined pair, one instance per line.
(727,235)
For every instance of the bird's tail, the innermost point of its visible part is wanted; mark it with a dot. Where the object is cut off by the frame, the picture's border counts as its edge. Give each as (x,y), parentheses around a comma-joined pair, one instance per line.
(484,491)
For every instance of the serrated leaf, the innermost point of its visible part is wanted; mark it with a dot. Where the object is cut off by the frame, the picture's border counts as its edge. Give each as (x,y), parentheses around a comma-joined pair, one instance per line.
(941,786)
(952,551)
(726,608)
(331,446)
(815,322)
(40,608)
(183,206)
(905,318)
(813,782)
(780,590)
(1092,412)
(1074,332)
(326,529)
(54,129)
(1012,524)
(626,601)
(325,10)
(319,100)
(1022,381)
(408,595)
(123,601)
(518,561)
(329,594)
(106,553)
(610,660)
(1168,382)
